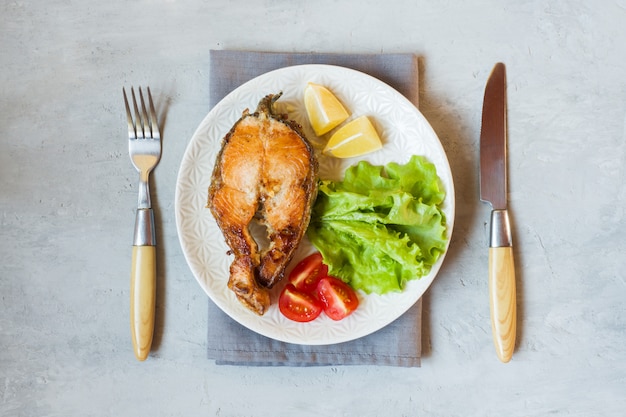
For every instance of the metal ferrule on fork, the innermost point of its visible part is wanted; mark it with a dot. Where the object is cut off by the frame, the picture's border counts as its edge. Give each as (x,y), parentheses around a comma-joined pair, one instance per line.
(144,228)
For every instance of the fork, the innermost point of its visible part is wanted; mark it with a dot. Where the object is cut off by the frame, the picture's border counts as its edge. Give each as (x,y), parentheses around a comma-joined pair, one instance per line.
(144,146)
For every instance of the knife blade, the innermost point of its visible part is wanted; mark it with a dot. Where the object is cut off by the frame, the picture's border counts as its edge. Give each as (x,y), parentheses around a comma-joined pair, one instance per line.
(493,190)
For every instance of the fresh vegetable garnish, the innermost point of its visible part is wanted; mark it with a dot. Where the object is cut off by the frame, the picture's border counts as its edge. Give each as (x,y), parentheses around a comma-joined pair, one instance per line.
(310,290)
(382,225)
(299,306)
(308,272)
(339,299)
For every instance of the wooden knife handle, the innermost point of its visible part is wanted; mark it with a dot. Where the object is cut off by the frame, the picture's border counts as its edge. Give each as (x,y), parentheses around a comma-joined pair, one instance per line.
(142,299)
(502,301)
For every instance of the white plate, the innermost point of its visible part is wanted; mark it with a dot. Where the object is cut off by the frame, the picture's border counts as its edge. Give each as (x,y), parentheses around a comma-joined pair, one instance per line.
(404,131)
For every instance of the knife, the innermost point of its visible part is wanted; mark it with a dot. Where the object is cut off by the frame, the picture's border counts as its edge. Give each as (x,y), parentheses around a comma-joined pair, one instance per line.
(493,190)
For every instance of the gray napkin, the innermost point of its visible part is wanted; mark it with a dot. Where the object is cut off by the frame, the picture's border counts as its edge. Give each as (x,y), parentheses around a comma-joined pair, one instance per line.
(399,343)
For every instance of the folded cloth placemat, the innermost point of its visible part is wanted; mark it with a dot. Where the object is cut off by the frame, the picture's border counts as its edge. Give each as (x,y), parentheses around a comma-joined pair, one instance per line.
(399,343)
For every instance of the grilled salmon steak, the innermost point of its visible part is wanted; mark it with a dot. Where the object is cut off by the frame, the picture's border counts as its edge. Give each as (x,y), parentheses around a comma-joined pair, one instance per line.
(265,172)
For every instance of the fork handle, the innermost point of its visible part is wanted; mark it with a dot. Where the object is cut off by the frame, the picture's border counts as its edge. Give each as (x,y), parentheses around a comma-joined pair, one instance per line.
(142,299)
(143,284)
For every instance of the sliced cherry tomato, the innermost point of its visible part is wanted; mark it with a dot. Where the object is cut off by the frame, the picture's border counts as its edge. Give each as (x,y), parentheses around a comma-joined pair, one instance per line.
(299,306)
(339,299)
(308,272)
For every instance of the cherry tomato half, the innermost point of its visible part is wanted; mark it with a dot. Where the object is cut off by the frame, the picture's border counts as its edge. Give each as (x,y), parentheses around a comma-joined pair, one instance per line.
(339,299)
(297,305)
(308,272)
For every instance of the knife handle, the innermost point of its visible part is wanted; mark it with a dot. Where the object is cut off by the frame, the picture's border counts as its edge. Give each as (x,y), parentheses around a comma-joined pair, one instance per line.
(142,299)
(502,301)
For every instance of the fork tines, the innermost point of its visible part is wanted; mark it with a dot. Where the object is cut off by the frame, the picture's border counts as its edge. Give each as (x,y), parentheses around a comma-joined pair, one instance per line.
(145,125)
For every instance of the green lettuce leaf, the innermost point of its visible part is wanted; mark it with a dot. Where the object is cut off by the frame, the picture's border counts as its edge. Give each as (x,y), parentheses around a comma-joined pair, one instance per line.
(382,225)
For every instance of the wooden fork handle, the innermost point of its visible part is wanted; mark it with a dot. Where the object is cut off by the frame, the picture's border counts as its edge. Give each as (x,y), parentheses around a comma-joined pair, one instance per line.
(142,299)
(502,301)
(143,283)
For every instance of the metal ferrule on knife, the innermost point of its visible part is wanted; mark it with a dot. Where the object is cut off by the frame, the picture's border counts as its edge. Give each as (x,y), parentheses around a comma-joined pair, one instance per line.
(144,228)
(500,233)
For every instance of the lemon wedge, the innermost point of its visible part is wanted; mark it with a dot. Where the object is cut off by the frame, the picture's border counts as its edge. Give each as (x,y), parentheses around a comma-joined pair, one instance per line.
(325,111)
(357,137)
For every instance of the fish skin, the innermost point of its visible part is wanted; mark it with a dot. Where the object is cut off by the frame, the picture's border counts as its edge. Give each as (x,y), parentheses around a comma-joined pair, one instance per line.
(266,171)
